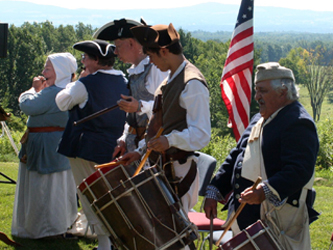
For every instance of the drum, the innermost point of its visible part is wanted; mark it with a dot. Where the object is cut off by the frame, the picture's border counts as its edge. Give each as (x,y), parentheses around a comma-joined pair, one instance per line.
(140,212)
(258,236)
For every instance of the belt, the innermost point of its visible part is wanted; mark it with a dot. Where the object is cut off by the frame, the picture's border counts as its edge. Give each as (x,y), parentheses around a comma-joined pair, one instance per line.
(186,182)
(140,131)
(45,129)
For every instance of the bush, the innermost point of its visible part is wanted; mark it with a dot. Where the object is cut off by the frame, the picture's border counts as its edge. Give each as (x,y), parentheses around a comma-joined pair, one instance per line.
(325,132)
(219,146)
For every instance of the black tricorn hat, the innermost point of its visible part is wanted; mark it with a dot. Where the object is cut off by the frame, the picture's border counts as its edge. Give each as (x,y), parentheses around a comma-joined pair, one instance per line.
(157,36)
(98,48)
(117,29)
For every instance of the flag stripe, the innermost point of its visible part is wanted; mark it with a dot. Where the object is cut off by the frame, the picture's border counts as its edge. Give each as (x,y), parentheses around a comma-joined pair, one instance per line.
(247,50)
(244,31)
(237,65)
(236,80)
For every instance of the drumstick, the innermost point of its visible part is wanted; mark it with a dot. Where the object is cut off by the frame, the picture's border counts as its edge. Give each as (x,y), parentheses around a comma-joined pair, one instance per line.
(110,164)
(159,132)
(98,113)
(94,115)
(240,208)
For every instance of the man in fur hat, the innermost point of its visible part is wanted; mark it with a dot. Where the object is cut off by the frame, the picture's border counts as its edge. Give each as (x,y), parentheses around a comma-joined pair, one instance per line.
(92,142)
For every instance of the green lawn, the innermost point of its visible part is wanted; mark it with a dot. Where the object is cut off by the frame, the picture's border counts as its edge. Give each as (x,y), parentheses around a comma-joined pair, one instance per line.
(327,107)
(7,192)
(321,230)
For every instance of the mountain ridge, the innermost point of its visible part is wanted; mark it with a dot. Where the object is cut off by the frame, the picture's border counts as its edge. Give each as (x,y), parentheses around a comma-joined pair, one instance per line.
(211,17)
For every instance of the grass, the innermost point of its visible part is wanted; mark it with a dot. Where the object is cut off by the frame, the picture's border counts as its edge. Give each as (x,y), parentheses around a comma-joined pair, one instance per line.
(7,192)
(327,107)
(320,230)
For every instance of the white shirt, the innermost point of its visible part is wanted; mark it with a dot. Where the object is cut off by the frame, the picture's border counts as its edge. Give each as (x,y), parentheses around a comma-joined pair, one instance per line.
(195,99)
(76,93)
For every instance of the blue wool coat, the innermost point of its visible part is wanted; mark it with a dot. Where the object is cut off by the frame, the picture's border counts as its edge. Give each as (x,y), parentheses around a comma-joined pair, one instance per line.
(289,148)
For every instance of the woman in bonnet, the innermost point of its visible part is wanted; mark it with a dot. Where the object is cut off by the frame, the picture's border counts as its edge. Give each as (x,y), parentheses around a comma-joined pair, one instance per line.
(45,199)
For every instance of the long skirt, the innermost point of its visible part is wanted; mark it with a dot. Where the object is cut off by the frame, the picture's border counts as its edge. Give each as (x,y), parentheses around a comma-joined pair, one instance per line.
(45,204)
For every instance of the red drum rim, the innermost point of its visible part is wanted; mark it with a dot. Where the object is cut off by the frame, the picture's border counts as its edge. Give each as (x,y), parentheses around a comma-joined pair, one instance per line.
(94,176)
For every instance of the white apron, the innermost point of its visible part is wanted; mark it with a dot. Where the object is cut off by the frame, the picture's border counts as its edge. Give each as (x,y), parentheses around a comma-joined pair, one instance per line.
(289,224)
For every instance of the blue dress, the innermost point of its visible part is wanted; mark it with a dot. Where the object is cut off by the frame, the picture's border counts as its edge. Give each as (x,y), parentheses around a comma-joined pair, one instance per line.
(45,201)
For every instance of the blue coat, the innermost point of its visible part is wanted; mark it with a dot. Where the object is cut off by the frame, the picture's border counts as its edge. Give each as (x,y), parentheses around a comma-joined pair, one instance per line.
(41,148)
(289,148)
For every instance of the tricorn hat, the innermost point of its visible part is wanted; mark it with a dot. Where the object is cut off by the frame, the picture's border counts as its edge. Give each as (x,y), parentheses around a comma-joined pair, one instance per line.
(98,48)
(157,36)
(117,29)
(272,71)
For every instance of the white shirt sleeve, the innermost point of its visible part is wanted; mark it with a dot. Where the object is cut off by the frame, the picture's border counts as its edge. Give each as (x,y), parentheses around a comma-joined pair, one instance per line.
(147,108)
(195,99)
(125,133)
(75,93)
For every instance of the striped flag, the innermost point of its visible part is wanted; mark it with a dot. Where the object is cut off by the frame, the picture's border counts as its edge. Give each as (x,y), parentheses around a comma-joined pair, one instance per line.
(236,82)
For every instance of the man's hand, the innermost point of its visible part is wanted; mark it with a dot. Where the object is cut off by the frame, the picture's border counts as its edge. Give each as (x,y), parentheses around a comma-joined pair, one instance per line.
(130,157)
(119,150)
(210,208)
(252,196)
(159,144)
(128,103)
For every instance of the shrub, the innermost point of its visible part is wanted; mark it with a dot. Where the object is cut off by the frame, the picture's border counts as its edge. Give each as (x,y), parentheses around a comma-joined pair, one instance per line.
(325,132)
(219,146)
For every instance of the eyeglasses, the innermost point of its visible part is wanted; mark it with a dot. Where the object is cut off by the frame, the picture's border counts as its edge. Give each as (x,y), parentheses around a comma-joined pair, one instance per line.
(83,56)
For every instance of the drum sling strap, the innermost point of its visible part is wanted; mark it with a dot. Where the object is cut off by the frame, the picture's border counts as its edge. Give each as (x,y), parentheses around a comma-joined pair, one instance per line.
(181,187)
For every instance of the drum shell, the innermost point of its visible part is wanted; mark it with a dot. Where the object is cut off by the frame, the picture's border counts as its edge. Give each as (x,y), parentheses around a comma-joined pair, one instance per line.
(140,212)
(94,187)
(259,233)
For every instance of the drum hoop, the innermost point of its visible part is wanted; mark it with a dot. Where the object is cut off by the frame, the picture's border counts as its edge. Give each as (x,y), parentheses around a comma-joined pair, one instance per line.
(101,175)
(134,187)
(178,237)
(260,232)
(126,219)
(250,239)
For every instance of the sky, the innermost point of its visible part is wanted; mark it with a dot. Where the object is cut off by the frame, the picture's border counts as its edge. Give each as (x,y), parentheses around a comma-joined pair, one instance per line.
(317,5)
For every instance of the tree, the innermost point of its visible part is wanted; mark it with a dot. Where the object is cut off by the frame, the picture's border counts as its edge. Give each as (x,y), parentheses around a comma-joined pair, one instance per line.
(24,61)
(296,60)
(318,84)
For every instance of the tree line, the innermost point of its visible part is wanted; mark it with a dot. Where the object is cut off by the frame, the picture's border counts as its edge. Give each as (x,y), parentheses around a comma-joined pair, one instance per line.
(29,45)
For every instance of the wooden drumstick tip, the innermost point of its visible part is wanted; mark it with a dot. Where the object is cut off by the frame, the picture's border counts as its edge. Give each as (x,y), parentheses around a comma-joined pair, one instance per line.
(137,171)
(110,164)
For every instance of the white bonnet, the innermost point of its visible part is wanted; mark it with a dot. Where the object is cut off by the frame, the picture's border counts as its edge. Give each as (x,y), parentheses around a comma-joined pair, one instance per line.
(64,65)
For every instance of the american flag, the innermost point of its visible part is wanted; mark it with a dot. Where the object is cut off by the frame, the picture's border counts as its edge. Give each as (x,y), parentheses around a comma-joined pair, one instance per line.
(236,79)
